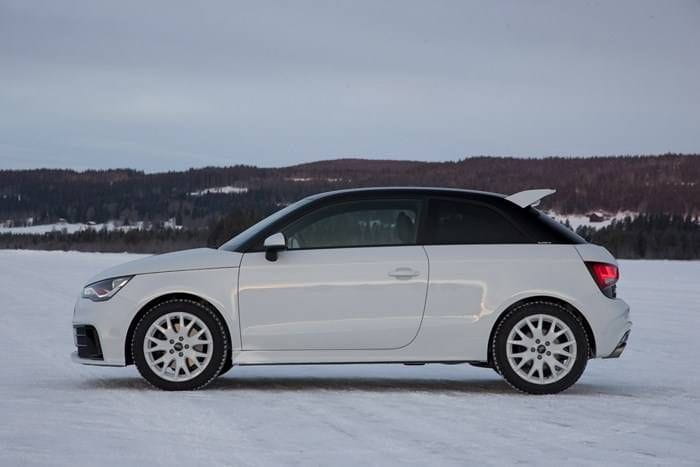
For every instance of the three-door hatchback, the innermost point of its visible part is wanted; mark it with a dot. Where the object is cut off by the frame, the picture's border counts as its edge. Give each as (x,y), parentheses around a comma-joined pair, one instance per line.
(378,275)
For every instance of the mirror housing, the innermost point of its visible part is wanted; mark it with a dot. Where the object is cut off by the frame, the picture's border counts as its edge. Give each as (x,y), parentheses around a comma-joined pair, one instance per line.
(273,244)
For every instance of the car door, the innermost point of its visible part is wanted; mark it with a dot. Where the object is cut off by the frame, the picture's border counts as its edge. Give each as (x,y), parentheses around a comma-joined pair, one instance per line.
(352,277)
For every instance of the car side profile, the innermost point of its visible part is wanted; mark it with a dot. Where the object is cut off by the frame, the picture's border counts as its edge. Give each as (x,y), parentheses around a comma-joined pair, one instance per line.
(374,275)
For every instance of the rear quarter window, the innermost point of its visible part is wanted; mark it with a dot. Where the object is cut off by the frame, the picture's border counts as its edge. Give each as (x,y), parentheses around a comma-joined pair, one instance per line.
(548,230)
(462,222)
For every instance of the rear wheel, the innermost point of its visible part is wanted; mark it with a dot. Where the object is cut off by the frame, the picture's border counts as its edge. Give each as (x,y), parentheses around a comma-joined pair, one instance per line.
(179,345)
(540,348)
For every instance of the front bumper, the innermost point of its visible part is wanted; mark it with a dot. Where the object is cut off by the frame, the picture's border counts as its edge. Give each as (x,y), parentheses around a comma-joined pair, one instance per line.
(99,330)
(87,340)
(86,361)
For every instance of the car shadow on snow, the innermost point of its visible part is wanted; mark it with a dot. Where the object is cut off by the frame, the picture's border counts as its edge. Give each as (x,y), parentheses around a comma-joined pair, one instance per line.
(494,386)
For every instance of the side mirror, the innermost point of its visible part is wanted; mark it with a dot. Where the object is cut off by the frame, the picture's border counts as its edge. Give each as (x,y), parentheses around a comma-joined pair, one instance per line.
(273,244)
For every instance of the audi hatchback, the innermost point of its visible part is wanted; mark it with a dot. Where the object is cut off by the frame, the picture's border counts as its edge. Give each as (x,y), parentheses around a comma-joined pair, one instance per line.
(378,275)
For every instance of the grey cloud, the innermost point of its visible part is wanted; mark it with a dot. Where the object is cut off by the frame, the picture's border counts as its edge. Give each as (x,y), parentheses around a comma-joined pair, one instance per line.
(161,84)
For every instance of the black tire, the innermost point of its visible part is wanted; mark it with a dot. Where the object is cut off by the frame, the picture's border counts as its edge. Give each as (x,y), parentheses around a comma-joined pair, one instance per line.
(227,366)
(484,365)
(513,317)
(219,338)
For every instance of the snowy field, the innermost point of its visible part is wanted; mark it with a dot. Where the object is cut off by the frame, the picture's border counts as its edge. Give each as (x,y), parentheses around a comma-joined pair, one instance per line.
(579,220)
(641,409)
(66,227)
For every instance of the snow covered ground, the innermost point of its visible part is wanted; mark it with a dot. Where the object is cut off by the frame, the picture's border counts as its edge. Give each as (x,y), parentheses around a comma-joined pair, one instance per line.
(221,190)
(68,227)
(578,220)
(641,409)
(71,228)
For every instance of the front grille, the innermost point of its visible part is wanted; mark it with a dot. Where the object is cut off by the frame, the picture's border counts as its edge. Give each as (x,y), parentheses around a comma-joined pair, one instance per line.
(88,342)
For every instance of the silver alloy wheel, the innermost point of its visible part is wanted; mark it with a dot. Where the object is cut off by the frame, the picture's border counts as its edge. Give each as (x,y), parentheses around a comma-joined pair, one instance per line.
(178,346)
(541,349)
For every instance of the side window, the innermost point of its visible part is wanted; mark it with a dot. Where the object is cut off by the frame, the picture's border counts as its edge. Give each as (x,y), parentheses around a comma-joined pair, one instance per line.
(460,222)
(356,223)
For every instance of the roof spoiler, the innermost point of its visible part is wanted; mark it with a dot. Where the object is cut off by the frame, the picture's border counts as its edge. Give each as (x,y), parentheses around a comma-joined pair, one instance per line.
(529,197)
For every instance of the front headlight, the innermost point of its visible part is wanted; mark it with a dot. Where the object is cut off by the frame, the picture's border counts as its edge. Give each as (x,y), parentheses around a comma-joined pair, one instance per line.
(106,289)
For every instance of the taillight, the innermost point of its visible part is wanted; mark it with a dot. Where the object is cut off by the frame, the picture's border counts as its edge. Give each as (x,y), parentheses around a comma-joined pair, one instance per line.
(605,275)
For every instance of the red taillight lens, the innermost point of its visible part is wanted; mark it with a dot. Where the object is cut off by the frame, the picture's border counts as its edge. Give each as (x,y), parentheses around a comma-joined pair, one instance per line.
(604,274)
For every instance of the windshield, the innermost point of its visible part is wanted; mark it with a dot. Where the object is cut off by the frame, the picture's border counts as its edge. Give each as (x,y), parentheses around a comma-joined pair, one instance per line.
(236,242)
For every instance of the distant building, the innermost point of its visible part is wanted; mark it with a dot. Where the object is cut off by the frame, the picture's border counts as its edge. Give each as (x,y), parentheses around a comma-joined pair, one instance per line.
(596,217)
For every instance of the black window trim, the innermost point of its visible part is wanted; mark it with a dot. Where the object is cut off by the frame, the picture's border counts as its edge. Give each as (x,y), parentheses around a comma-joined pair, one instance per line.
(427,239)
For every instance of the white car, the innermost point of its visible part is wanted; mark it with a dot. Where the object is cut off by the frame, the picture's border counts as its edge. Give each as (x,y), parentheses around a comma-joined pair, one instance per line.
(377,275)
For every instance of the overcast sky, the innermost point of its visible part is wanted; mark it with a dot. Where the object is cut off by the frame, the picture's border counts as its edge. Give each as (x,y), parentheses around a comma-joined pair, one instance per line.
(161,85)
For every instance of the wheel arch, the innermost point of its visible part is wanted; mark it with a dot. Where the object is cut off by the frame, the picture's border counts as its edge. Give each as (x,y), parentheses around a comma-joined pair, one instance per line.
(545,298)
(164,298)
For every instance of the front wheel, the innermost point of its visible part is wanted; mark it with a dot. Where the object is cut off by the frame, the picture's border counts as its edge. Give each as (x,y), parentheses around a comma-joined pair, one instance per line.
(179,345)
(540,348)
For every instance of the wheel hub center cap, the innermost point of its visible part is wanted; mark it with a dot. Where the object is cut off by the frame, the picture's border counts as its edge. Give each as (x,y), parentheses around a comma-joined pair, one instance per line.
(541,349)
(178,346)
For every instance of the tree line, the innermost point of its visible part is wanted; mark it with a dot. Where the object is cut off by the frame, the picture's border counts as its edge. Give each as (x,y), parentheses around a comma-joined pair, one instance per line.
(648,236)
(655,184)
(664,188)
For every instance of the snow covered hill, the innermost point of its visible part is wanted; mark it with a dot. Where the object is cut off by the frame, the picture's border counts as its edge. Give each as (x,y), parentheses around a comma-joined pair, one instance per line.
(68,227)
(602,219)
(641,409)
(220,190)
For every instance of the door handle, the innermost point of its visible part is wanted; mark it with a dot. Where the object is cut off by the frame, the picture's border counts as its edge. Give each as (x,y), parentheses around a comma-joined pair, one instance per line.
(404,273)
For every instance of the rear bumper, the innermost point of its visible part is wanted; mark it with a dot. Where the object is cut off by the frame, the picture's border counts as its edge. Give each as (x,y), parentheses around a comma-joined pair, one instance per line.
(611,326)
(620,346)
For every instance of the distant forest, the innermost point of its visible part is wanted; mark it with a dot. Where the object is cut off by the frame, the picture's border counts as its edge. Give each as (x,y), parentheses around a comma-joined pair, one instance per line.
(649,236)
(655,184)
(665,188)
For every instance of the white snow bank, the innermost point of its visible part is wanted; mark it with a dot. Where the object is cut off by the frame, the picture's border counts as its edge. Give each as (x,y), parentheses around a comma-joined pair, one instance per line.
(221,190)
(643,408)
(578,220)
(69,227)
(309,179)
